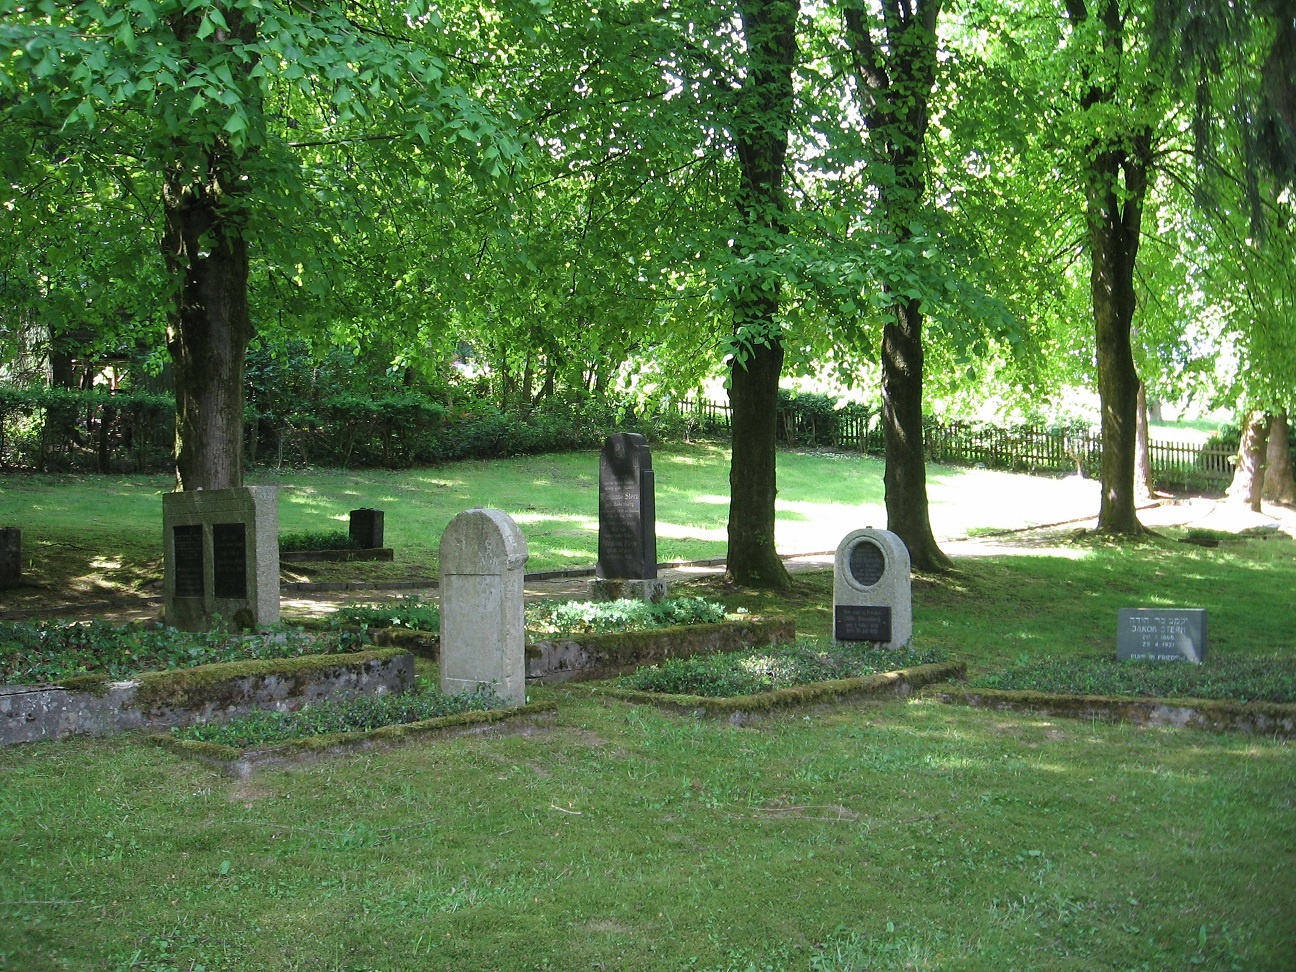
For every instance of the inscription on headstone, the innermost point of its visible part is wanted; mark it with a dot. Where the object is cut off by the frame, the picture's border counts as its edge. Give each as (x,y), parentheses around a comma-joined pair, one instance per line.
(187,560)
(221,556)
(1161,634)
(229,560)
(627,509)
(483,635)
(872,596)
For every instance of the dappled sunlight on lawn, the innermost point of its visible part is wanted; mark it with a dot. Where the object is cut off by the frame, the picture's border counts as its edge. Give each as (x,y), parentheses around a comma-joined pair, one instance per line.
(579,520)
(988,499)
(680,531)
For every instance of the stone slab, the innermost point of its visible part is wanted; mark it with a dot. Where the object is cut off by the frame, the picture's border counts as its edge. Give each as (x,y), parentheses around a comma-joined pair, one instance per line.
(1161,634)
(627,509)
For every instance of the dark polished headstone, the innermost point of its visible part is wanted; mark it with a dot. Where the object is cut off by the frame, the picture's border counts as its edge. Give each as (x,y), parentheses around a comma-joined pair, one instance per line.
(229,560)
(187,556)
(366,528)
(627,509)
(1161,634)
(10,556)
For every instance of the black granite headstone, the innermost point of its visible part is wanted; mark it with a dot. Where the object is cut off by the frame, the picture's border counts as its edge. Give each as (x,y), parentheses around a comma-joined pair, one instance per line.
(229,560)
(366,528)
(1161,634)
(10,556)
(627,509)
(187,547)
(862,622)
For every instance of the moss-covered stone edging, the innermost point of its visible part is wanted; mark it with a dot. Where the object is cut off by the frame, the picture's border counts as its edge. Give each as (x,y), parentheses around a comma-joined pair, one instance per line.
(748,708)
(562,658)
(241,762)
(1216,715)
(345,555)
(95,705)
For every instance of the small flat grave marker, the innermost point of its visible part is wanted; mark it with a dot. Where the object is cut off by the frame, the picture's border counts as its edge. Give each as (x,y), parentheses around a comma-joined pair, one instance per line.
(872,593)
(1161,634)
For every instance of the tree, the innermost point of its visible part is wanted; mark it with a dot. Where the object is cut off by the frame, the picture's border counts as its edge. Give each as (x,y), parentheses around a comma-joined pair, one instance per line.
(197,95)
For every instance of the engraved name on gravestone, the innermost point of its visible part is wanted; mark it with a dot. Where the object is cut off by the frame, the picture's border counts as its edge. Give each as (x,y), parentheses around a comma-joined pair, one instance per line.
(1161,634)
(627,509)
(483,631)
(872,593)
(221,556)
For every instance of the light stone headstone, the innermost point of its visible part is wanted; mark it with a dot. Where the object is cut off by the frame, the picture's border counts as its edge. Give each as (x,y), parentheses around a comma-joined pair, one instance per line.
(1161,634)
(872,593)
(220,553)
(483,635)
(627,551)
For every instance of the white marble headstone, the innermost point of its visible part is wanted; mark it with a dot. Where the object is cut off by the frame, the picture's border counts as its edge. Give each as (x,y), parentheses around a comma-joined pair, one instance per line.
(483,635)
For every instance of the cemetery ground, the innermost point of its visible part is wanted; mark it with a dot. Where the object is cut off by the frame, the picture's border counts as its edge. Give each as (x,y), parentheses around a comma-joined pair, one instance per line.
(897,834)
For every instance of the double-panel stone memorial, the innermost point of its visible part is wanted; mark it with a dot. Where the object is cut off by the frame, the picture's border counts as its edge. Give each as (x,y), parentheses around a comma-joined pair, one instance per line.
(1161,634)
(483,627)
(627,551)
(220,551)
(872,592)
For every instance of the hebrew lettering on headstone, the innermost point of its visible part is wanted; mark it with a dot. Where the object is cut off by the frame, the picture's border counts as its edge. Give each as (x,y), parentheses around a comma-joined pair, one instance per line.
(483,632)
(221,556)
(1161,634)
(627,509)
(872,593)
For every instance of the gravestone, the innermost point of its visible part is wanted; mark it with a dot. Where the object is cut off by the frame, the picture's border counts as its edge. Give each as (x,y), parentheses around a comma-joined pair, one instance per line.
(483,635)
(220,551)
(366,528)
(872,594)
(1161,634)
(627,552)
(10,557)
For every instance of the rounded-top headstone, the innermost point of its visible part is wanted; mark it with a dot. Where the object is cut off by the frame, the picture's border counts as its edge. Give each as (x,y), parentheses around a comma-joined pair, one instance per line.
(872,598)
(866,557)
(480,541)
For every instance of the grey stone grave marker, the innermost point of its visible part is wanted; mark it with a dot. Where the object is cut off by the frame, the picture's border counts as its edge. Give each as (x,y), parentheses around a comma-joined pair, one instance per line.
(366,528)
(627,552)
(872,593)
(10,557)
(220,552)
(483,635)
(1161,634)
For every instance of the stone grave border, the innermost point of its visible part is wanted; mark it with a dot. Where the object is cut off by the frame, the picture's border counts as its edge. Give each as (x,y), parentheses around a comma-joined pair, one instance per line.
(241,763)
(746,709)
(1213,715)
(96,705)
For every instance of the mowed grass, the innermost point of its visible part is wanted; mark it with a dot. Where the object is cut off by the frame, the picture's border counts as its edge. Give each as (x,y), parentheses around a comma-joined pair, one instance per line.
(90,533)
(898,835)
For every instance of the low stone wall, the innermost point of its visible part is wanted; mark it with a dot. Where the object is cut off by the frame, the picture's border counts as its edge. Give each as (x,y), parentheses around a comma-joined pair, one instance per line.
(1260,718)
(574,657)
(744,709)
(96,706)
(519,720)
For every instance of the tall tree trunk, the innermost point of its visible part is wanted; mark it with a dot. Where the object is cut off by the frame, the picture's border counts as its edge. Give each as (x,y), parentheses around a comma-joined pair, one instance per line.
(752,558)
(1115,183)
(894,89)
(208,331)
(1249,474)
(204,192)
(1279,482)
(1144,486)
(762,119)
(905,475)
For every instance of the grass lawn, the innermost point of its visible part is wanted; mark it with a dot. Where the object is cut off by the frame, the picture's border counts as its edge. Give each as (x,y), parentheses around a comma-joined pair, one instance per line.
(95,533)
(888,835)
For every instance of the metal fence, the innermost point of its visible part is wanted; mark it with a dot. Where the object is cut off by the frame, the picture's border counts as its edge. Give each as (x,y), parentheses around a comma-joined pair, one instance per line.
(1022,448)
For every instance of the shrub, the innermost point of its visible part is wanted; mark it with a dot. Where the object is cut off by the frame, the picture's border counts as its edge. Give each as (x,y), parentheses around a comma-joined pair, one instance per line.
(766,669)
(348,715)
(49,651)
(592,617)
(317,540)
(407,612)
(1256,679)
